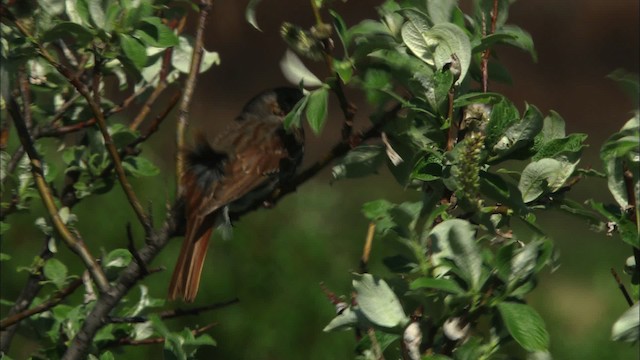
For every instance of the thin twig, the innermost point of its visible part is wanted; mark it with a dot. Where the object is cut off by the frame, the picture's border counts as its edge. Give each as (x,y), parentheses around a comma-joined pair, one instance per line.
(29,292)
(634,215)
(146,107)
(42,307)
(160,87)
(155,340)
(189,87)
(75,244)
(484,65)
(174,313)
(366,251)
(453,126)
(56,131)
(375,345)
(622,288)
(25,91)
(132,249)
(155,125)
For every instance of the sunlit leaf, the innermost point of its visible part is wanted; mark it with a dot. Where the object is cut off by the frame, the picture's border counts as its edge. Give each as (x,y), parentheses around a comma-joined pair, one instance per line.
(296,72)
(250,13)
(378,302)
(627,327)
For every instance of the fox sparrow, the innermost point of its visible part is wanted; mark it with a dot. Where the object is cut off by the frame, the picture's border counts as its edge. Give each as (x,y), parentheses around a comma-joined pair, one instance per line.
(239,169)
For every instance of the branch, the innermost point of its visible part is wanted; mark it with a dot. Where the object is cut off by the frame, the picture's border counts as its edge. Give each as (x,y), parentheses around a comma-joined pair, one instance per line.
(146,108)
(190,84)
(484,65)
(24,300)
(621,286)
(366,251)
(95,108)
(98,316)
(56,131)
(52,302)
(170,314)
(156,340)
(76,245)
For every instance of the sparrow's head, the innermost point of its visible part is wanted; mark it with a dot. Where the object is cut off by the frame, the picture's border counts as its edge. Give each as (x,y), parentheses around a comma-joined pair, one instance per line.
(279,101)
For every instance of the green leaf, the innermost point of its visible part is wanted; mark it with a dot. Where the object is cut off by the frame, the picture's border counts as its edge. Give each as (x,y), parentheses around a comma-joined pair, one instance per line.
(81,34)
(134,11)
(519,38)
(543,176)
(455,239)
(361,161)
(444,284)
(139,166)
(521,133)
(428,168)
(376,209)
(503,114)
(627,229)
(440,10)
(294,116)
(523,263)
(121,135)
(153,32)
(504,192)
(525,325)
(436,88)
(569,148)
(3,256)
(378,302)
(383,341)
(77,11)
(118,258)
(107,355)
(553,127)
(250,14)
(341,29)
(344,69)
(4,227)
(621,147)
(55,271)
(375,82)
(478,98)
(317,108)
(97,12)
(134,50)
(629,82)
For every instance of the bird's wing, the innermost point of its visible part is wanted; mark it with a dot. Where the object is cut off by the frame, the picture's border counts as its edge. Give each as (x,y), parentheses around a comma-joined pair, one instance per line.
(255,159)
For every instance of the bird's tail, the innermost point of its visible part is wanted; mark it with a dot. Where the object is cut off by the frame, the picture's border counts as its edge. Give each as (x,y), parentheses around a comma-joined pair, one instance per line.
(186,275)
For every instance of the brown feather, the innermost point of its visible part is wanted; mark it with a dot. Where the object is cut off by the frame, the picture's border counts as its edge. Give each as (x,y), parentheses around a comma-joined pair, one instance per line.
(245,157)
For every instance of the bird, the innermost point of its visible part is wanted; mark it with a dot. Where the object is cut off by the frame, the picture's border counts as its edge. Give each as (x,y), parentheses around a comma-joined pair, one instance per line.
(238,170)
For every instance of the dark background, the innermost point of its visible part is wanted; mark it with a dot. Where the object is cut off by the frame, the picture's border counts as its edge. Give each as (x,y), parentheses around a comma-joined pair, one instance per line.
(277,258)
